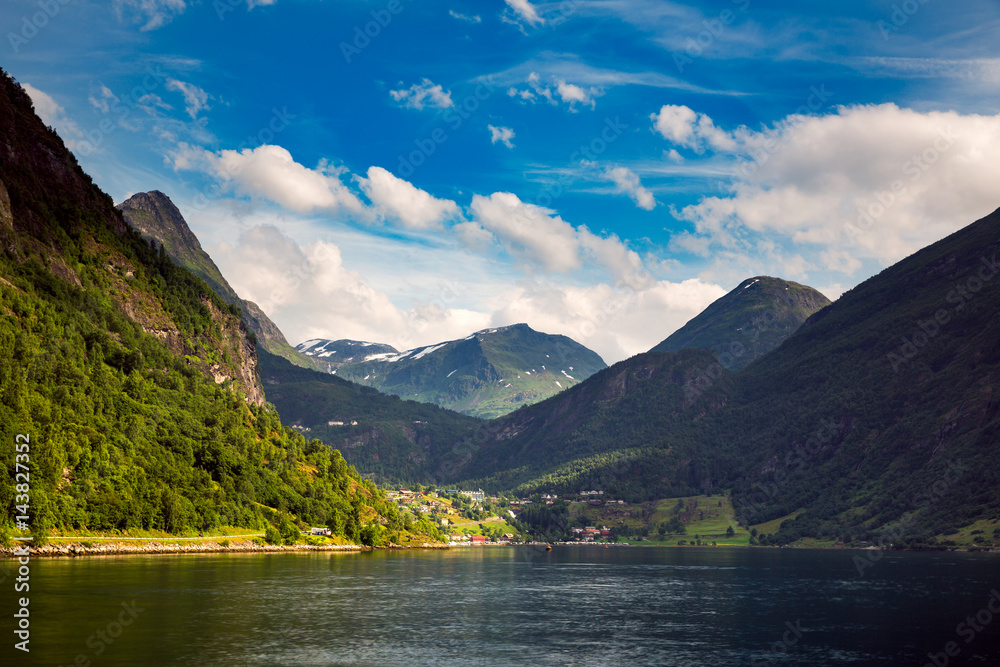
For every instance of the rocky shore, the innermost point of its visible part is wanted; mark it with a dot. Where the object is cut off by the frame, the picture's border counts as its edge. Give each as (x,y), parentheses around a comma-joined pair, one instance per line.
(242,546)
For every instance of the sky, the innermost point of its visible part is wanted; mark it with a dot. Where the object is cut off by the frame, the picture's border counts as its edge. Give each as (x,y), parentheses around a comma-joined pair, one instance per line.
(410,172)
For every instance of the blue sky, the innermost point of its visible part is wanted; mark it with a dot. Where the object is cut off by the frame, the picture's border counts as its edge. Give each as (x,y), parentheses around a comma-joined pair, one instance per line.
(407,172)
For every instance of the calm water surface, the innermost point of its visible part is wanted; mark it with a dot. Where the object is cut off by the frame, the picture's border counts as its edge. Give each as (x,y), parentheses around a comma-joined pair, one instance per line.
(513,606)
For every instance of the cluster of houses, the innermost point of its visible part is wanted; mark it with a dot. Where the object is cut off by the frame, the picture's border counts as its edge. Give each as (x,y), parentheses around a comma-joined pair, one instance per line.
(590,533)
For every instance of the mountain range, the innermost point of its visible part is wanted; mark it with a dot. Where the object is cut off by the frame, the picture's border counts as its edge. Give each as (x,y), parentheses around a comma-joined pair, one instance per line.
(486,374)
(150,407)
(880,413)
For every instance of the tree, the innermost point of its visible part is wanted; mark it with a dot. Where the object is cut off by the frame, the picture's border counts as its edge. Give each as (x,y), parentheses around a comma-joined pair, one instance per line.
(730,532)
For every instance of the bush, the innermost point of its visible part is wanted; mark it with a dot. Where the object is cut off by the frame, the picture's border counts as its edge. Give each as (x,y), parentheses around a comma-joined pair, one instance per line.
(272,536)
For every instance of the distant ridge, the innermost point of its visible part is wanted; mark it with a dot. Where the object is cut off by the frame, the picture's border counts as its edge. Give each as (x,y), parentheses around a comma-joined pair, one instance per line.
(486,374)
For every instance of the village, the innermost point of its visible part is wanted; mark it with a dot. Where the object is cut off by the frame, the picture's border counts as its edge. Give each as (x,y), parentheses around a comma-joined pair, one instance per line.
(472,518)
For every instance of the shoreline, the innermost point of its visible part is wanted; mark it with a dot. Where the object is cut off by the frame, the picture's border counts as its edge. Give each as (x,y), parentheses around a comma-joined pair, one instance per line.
(80,549)
(77,549)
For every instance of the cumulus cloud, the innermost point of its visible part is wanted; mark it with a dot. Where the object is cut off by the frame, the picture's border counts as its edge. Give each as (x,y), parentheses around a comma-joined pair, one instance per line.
(541,239)
(152,14)
(501,134)
(558,91)
(627,182)
(396,199)
(871,182)
(614,322)
(422,95)
(195,99)
(309,293)
(526,11)
(270,173)
(684,127)
(54,115)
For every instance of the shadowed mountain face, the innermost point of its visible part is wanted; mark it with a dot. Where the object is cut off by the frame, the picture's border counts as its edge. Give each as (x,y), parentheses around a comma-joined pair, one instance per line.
(486,374)
(879,416)
(749,322)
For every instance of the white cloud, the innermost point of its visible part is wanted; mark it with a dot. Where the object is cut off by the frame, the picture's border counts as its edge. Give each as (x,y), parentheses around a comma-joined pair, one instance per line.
(309,293)
(627,182)
(422,95)
(526,11)
(195,99)
(501,134)
(865,183)
(463,17)
(571,93)
(54,115)
(152,14)
(540,239)
(397,199)
(684,127)
(615,323)
(568,93)
(269,172)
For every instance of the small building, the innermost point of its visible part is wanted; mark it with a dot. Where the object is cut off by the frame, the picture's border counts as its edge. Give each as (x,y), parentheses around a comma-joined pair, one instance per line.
(319,531)
(477,539)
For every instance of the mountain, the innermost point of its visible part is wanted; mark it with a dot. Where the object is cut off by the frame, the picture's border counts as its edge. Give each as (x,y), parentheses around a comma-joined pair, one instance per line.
(878,419)
(383,436)
(486,374)
(131,386)
(749,321)
(156,217)
(339,352)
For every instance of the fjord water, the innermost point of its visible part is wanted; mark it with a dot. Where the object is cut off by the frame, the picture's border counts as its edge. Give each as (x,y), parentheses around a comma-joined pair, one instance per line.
(513,606)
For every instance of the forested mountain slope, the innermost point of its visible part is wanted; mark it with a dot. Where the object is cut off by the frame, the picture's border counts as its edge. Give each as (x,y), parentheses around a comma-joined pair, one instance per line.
(134,384)
(748,322)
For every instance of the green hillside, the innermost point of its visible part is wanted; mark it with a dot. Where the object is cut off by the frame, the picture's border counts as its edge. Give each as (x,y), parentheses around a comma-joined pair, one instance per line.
(487,374)
(383,436)
(134,385)
(879,418)
(749,321)
(154,216)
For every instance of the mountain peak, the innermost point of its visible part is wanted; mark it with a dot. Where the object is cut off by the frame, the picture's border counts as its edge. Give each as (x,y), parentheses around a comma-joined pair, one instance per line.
(748,322)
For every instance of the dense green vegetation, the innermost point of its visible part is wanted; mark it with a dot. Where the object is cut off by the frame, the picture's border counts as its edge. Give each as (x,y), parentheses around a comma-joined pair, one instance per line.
(634,430)
(748,322)
(877,421)
(135,384)
(154,216)
(385,437)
